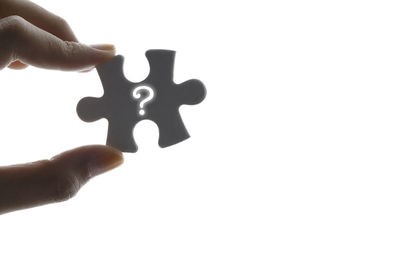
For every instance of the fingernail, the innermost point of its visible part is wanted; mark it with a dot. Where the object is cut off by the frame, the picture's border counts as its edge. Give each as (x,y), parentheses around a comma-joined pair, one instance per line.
(86,70)
(107,160)
(104,47)
(102,53)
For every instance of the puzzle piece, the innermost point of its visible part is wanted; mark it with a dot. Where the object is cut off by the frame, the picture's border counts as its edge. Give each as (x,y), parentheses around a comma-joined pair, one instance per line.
(122,102)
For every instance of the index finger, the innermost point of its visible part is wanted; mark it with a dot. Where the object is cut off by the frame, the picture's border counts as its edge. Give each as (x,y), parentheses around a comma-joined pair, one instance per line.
(39,17)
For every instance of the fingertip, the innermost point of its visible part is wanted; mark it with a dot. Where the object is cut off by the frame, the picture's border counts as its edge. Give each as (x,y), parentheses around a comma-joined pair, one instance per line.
(108,159)
(89,161)
(100,54)
(105,50)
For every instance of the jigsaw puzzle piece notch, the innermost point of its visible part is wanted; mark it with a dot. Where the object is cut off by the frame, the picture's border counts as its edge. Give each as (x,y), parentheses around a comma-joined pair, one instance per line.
(120,136)
(112,76)
(161,63)
(171,128)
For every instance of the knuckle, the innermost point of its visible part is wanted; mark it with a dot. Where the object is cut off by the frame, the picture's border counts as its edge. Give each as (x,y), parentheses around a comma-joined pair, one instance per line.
(70,49)
(62,29)
(61,23)
(67,186)
(14,26)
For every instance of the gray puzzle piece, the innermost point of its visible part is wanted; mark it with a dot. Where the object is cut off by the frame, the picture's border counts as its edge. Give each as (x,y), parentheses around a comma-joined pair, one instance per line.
(123,111)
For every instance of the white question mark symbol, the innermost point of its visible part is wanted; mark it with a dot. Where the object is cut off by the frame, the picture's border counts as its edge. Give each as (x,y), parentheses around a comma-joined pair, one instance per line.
(137,95)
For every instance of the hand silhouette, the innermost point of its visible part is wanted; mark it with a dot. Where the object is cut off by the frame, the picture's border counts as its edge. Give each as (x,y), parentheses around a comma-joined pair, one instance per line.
(30,35)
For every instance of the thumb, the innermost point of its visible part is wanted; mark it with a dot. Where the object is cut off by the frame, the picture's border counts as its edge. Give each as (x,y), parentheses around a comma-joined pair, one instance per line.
(58,179)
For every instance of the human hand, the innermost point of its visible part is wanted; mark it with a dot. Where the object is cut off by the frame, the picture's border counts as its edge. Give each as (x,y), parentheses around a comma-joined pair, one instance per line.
(30,35)
(58,179)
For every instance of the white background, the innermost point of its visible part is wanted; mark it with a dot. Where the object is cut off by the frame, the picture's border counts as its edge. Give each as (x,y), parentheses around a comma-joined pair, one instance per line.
(294,156)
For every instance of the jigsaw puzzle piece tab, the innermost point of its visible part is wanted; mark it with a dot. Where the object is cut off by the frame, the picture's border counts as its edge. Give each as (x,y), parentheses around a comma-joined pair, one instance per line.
(90,109)
(191,92)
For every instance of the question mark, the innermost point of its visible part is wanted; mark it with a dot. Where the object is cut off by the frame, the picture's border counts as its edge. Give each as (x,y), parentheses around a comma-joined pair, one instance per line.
(137,95)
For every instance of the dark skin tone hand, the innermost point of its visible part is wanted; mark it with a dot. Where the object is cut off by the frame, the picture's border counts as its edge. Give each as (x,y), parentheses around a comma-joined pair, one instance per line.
(30,35)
